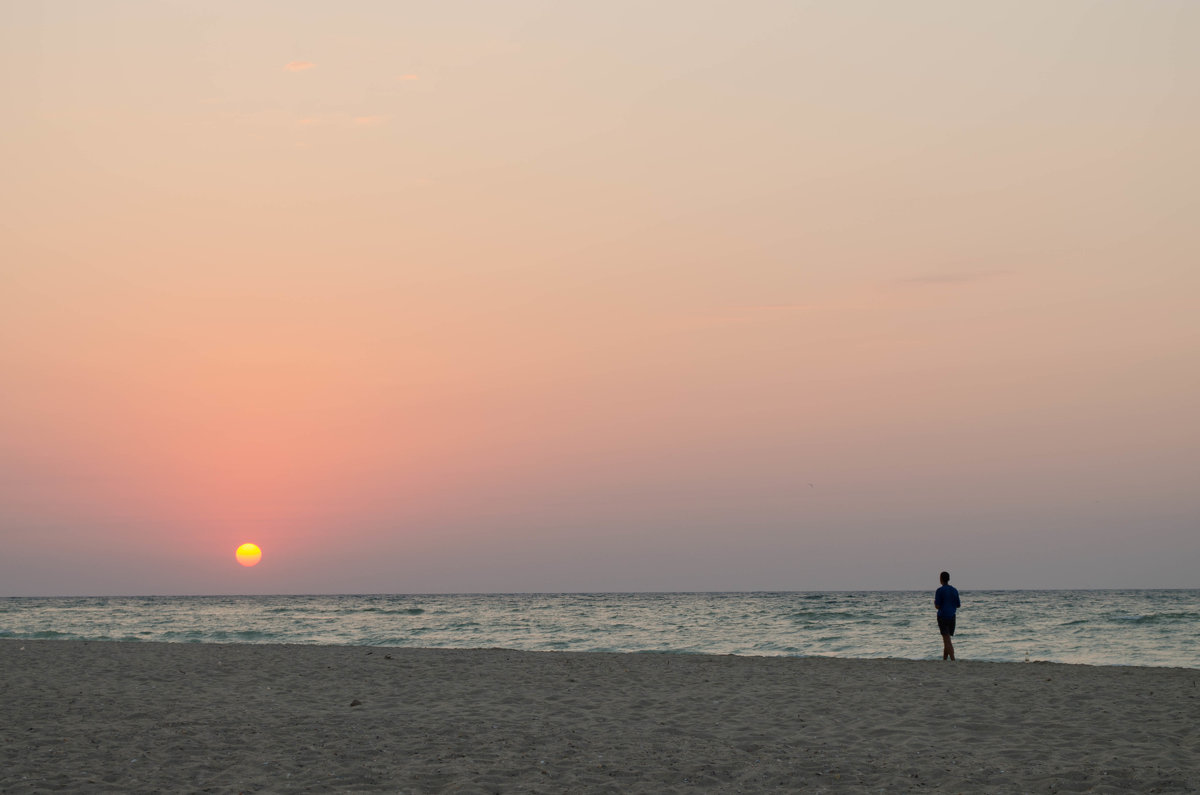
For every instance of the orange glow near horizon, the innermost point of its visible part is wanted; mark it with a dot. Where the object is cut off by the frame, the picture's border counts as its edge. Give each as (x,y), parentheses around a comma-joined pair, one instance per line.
(248,554)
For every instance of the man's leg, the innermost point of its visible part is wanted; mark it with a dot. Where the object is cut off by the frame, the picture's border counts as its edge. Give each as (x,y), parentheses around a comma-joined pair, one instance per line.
(947,647)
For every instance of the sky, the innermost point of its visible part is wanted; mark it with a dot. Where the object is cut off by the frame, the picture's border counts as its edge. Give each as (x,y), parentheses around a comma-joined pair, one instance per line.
(620,296)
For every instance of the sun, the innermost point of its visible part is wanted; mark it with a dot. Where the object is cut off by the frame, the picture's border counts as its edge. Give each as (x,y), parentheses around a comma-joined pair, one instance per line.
(248,554)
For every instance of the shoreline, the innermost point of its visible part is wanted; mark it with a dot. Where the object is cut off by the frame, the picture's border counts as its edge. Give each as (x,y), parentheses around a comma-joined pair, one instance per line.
(132,641)
(146,715)
(1146,628)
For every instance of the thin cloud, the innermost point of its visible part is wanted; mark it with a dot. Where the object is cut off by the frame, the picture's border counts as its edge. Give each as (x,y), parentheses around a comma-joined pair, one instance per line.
(773,307)
(299,66)
(741,314)
(340,120)
(409,77)
(947,278)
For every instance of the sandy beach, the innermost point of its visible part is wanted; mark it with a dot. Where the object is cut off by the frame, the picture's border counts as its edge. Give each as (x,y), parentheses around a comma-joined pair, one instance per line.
(139,717)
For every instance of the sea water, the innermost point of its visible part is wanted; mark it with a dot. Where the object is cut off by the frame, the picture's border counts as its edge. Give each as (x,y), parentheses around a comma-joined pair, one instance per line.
(1111,627)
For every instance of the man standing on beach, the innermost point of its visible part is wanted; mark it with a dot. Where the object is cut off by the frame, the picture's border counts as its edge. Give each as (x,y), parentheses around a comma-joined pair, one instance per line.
(946,600)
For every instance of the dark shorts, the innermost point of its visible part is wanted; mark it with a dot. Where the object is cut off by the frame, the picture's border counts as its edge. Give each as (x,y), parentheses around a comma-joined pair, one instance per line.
(945,625)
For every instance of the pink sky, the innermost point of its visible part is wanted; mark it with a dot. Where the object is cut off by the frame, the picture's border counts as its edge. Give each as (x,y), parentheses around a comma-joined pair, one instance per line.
(606,296)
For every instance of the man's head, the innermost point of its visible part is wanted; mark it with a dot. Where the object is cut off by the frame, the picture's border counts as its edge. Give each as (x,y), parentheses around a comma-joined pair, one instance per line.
(945,577)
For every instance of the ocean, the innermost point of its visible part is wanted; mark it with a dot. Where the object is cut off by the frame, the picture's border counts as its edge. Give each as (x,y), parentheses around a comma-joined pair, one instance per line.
(1103,627)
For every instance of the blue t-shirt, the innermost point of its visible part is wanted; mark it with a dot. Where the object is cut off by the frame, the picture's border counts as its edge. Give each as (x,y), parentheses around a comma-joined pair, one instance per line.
(946,601)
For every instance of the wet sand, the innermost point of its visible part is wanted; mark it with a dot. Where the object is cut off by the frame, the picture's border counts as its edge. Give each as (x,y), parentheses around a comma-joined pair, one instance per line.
(140,717)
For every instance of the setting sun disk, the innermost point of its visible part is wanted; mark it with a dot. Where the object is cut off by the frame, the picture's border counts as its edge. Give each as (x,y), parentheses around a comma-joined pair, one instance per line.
(248,554)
